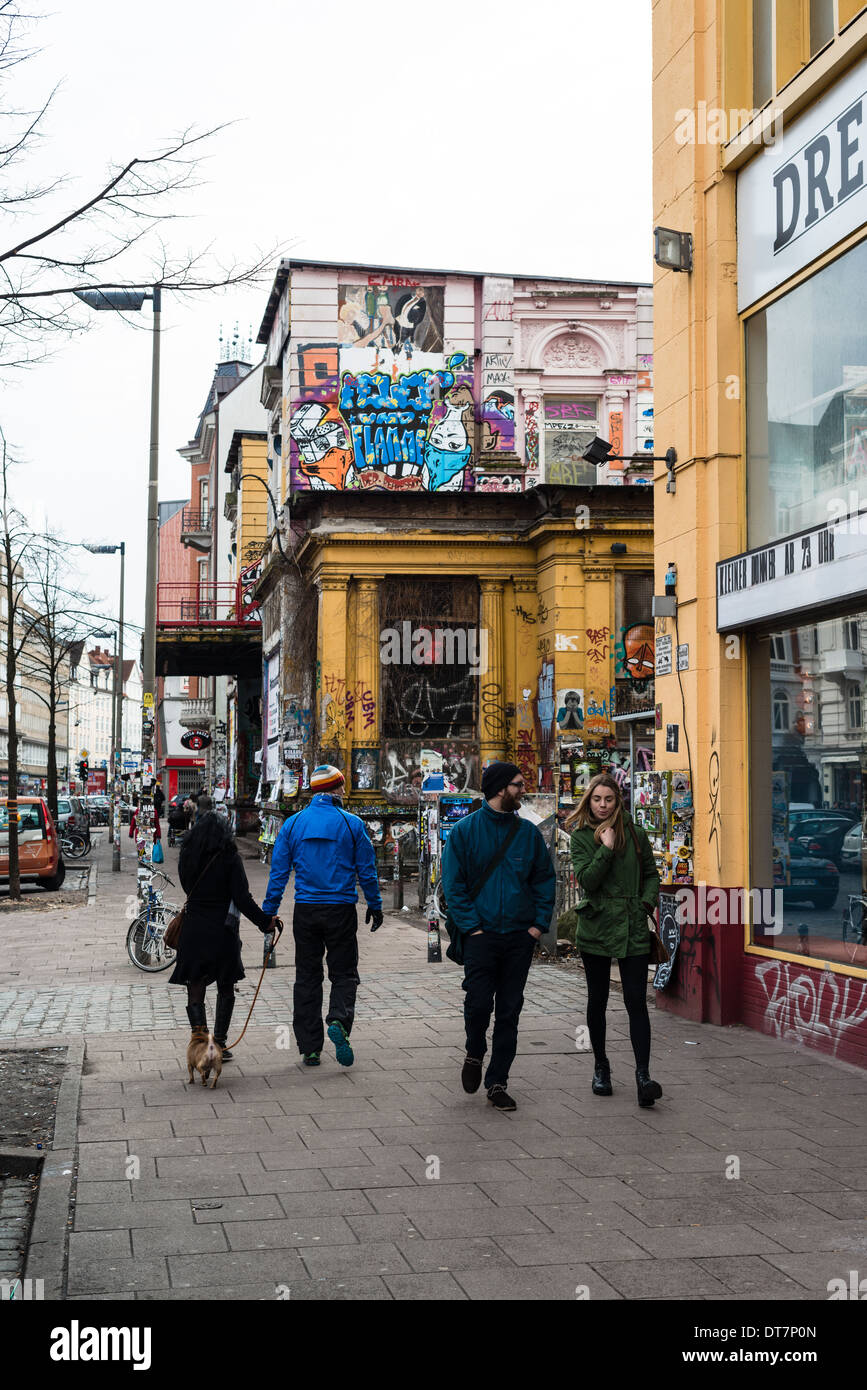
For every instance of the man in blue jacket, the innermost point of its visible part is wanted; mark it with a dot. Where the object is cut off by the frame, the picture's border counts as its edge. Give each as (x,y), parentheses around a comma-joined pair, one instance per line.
(328,849)
(500,922)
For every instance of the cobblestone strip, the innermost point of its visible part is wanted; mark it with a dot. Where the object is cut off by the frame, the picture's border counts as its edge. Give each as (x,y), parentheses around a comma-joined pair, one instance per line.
(147,1006)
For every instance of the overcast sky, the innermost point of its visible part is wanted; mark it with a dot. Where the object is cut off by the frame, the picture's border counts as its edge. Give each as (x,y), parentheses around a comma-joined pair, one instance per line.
(502,135)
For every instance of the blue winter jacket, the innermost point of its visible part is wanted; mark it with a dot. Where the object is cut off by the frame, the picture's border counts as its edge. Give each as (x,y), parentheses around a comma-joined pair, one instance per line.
(519,893)
(327,847)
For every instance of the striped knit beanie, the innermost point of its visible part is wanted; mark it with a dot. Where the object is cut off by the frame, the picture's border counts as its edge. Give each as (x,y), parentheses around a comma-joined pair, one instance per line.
(326,778)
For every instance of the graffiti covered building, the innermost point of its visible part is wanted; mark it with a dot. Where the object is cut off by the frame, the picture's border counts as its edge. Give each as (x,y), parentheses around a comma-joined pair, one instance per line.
(455,583)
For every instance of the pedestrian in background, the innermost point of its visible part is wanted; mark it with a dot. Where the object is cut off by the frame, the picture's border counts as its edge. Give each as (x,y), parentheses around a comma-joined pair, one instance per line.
(614,865)
(500,887)
(328,849)
(209,951)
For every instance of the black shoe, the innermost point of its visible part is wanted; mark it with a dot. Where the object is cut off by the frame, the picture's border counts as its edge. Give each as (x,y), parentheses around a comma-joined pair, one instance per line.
(471,1074)
(311,1059)
(500,1098)
(602,1079)
(648,1091)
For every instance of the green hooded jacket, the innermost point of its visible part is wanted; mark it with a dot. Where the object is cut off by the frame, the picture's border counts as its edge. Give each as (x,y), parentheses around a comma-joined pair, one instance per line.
(612,918)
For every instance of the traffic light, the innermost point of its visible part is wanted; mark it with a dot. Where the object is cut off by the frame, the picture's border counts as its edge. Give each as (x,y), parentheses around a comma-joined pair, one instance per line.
(82,770)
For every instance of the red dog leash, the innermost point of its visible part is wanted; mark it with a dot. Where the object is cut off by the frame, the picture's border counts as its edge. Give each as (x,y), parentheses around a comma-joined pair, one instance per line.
(277,936)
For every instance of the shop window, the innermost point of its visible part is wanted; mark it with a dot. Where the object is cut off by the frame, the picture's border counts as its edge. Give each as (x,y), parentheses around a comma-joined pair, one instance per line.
(806,404)
(807,797)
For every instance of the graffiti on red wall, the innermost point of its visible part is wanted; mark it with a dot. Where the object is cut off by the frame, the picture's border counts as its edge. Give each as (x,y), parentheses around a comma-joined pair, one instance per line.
(809,1007)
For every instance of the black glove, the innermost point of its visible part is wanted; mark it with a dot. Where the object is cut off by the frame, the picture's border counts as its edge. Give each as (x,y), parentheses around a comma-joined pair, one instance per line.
(376,916)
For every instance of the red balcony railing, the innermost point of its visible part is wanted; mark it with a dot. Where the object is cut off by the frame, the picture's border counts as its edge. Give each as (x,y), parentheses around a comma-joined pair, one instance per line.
(206,605)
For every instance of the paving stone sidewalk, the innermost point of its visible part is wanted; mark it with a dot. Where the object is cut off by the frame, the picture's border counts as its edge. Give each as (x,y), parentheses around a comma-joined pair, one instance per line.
(386,1181)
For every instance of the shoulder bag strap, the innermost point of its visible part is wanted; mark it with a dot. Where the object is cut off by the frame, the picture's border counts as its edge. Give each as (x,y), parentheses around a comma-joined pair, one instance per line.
(497,859)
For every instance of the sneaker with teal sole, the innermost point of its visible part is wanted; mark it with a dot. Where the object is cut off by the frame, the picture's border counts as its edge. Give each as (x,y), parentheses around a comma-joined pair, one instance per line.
(311,1059)
(339,1036)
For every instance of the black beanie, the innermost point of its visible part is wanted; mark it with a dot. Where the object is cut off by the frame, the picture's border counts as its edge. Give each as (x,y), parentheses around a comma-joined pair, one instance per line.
(497,776)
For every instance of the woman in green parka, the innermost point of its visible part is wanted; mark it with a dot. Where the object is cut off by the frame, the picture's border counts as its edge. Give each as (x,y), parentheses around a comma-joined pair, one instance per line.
(614,866)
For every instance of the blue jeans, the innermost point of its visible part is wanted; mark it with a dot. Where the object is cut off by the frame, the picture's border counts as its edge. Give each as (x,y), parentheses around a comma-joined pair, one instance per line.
(496,965)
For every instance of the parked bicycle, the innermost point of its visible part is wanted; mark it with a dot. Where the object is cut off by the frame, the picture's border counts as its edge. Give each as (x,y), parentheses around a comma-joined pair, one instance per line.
(145,945)
(75,846)
(854,919)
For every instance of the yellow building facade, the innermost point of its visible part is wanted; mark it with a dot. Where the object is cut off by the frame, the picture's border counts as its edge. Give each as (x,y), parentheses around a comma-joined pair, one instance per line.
(761,387)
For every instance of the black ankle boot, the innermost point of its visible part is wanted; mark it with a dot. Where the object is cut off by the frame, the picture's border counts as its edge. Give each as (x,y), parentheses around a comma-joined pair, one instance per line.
(648,1091)
(196,1015)
(222,1019)
(602,1079)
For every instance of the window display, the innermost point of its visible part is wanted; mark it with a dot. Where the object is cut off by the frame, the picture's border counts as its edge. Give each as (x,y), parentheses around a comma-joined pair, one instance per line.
(813,837)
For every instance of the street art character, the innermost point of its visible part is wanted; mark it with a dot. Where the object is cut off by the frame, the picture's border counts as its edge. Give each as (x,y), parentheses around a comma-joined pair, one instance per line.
(448,448)
(570,714)
(320,435)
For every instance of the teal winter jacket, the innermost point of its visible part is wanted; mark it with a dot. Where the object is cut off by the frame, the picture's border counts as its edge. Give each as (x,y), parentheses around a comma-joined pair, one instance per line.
(519,893)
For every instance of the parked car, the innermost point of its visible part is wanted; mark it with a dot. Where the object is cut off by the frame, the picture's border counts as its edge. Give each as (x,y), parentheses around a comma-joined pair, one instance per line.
(39,856)
(813,880)
(852,848)
(822,835)
(72,817)
(99,810)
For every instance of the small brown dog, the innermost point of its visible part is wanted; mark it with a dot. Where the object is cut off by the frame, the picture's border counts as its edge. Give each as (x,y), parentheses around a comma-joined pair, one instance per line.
(204,1056)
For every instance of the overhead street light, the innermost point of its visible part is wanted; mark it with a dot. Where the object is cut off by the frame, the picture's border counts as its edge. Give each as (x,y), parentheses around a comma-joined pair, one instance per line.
(119,299)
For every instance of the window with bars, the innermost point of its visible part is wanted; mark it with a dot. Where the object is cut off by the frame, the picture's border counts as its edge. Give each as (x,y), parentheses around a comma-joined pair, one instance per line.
(430,648)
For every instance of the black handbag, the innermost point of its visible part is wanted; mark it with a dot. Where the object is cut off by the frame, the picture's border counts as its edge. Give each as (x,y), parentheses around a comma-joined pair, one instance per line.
(455,949)
(659,952)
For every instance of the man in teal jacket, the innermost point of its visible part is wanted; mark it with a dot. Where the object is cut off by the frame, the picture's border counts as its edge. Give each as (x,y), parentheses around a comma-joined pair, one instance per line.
(328,849)
(500,922)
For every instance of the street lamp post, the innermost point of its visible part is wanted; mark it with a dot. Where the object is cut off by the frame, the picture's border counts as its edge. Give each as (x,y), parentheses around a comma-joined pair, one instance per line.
(119,300)
(117,708)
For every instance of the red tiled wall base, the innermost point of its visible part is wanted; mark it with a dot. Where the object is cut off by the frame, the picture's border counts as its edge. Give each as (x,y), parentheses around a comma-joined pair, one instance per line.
(804,1004)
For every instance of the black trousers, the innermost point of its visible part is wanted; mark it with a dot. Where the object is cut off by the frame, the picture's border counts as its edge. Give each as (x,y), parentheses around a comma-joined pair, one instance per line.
(329,929)
(496,965)
(633,977)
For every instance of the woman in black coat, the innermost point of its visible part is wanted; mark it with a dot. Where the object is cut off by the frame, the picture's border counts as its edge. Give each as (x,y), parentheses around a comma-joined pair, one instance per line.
(213,877)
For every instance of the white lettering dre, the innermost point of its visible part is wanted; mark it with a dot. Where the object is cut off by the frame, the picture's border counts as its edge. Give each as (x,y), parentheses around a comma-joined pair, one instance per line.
(822,175)
(77,1343)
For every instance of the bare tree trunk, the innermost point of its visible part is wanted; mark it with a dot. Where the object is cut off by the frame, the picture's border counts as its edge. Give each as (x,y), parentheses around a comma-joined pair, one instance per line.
(52,749)
(12,794)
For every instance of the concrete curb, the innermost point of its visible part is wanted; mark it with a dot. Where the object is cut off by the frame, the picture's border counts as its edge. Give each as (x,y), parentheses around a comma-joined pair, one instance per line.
(49,1237)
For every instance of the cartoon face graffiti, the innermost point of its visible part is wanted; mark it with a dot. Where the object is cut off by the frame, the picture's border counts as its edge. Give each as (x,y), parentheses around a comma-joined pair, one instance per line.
(639,656)
(448,447)
(323,448)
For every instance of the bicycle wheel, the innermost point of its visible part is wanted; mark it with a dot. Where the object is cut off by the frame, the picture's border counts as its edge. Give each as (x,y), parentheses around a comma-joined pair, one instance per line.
(144,941)
(76,847)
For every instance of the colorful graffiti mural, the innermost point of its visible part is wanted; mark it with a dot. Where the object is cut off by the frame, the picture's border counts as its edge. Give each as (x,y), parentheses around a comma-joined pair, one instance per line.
(387,428)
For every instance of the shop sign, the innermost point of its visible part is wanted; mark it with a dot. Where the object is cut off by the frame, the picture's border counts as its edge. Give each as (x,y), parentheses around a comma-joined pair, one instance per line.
(195,740)
(805,192)
(663,656)
(797,574)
